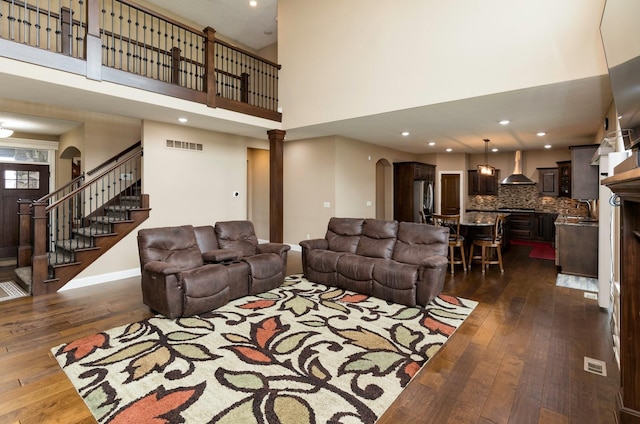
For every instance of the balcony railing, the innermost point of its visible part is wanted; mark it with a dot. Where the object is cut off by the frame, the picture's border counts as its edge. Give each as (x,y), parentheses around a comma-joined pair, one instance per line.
(121,42)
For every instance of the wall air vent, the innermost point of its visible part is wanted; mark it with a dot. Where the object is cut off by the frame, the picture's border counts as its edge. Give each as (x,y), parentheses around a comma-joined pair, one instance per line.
(183,145)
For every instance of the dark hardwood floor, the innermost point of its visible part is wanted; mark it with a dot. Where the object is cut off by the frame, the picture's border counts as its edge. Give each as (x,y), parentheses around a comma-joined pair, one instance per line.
(517,359)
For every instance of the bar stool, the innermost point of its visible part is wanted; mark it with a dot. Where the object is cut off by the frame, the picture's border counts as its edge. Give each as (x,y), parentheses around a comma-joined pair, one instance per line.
(486,244)
(455,239)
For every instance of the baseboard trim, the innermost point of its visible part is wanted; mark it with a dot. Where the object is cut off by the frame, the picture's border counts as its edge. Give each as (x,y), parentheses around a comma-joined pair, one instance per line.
(77,283)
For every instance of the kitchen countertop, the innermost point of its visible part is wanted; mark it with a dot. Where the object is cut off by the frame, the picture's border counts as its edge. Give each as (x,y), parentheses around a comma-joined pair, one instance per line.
(480,218)
(576,220)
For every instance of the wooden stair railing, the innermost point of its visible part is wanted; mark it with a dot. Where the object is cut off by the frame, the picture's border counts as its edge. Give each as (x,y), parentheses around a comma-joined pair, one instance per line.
(79,226)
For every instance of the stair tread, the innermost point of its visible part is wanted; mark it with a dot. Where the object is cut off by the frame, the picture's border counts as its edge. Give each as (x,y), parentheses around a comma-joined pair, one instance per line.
(91,231)
(76,243)
(107,219)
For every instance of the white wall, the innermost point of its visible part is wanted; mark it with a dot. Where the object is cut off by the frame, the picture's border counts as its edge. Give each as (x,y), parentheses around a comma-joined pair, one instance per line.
(344,59)
(336,170)
(184,187)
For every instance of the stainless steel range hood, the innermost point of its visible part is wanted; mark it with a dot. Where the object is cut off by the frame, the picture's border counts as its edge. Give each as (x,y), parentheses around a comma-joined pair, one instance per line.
(517,177)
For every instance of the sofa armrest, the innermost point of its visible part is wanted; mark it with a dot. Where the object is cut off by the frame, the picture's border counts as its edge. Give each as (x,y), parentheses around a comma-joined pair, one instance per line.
(277,248)
(434,261)
(162,268)
(219,255)
(314,244)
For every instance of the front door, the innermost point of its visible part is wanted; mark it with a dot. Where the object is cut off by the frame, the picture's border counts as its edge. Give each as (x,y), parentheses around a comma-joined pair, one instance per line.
(450,198)
(18,181)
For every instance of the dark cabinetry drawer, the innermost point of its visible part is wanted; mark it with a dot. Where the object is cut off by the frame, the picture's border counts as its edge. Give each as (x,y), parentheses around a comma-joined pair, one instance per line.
(522,225)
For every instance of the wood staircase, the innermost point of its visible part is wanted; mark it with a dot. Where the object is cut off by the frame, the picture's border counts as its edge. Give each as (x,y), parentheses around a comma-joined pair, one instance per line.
(64,240)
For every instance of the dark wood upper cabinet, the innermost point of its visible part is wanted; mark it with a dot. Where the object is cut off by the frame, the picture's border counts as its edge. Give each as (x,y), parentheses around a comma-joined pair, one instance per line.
(548,183)
(564,178)
(483,184)
(584,176)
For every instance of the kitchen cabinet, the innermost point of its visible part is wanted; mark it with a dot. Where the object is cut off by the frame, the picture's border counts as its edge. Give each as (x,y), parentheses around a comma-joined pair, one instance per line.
(545,229)
(627,186)
(548,182)
(483,184)
(405,196)
(584,184)
(577,248)
(522,225)
(564,178)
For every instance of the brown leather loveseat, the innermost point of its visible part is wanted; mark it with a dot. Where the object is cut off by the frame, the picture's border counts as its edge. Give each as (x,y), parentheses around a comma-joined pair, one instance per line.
(190,270)
(402,262)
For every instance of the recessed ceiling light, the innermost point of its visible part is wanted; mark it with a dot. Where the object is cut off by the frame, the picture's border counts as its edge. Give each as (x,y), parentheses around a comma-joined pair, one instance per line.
(449,149)
(253,3)
(494,149)
(183,120)
(432,143)
(541,134)
(405,133)
(504,122)
(547,146)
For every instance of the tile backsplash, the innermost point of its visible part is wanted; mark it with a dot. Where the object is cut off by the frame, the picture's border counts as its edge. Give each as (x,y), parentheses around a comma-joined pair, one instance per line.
(527,196)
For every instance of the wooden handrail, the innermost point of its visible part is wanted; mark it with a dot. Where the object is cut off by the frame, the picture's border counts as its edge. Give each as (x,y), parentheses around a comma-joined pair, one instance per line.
(52,194)
(115,157)
(97,177)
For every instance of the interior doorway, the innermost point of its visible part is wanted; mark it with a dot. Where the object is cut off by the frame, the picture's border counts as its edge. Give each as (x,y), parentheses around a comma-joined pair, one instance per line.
(450,193)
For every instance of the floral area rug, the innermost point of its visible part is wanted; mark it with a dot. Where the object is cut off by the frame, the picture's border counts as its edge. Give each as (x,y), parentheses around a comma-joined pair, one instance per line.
(301,353)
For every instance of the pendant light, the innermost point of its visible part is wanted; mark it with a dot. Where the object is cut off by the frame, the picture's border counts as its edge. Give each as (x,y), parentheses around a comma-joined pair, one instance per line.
(486,169)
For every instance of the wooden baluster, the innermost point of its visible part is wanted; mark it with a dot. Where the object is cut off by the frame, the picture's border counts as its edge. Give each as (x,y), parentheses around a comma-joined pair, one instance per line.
(244,87)
(65,18)
(175,65)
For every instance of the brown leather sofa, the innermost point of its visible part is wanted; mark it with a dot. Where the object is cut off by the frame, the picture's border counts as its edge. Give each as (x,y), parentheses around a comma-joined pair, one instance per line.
(402,262)
(190,270)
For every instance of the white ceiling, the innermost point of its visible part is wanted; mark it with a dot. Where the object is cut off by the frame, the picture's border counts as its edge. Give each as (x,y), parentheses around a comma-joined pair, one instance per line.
(570,113)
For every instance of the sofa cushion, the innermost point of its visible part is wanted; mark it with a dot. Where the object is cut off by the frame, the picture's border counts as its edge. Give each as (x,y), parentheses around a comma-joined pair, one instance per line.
(343,234)
(173,245)
(324,260)
(378,238)
(418,241)
(237,235)
(206,238)
(355,267)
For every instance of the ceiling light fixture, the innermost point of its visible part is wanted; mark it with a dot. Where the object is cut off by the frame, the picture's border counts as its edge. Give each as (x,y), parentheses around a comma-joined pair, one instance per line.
(449,149)
(541,134)
(504,122)
(253,3)
(432,143)
(183,120)
(486,169)
(405,133)
(547,146)
(4,133)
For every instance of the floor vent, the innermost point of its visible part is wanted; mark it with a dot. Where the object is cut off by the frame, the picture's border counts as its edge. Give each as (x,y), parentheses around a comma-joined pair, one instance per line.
(183,145)
(595,366)
(591,295)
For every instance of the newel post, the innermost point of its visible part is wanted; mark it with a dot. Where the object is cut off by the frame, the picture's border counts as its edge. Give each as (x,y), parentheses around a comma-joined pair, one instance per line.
(210,66)
(93,44)
(276,196)
(40,261)
(24,233)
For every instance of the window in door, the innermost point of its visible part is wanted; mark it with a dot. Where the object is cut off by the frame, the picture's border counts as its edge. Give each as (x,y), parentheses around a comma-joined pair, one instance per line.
(21,180)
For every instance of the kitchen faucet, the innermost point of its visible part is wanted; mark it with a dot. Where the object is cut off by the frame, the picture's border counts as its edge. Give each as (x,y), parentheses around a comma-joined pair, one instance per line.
(589,206)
